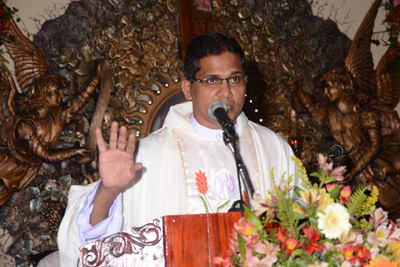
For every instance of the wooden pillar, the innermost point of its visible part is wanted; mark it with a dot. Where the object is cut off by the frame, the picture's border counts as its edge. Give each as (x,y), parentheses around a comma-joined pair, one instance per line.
(193,23)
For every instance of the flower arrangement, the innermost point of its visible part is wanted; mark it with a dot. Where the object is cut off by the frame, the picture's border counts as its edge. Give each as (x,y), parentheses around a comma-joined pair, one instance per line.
(392,20)
(6,14)
(328,225)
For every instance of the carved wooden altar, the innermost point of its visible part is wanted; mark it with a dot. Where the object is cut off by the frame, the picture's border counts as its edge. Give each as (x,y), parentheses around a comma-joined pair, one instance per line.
(180,240)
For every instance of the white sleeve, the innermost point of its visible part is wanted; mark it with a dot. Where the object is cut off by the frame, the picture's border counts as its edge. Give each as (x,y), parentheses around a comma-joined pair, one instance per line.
(109,226)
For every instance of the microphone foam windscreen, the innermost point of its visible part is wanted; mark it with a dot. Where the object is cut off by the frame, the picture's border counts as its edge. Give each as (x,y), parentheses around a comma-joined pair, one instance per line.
(214,106)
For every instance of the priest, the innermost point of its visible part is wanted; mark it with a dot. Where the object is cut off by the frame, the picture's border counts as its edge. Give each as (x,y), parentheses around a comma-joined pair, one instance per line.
(184,167)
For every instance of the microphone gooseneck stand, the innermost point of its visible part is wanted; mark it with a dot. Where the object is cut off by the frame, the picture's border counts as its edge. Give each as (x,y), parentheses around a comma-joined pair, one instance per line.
(218,111)
(230,141)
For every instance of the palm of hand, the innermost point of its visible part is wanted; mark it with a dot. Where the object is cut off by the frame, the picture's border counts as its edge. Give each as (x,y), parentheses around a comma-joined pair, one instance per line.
(116,168)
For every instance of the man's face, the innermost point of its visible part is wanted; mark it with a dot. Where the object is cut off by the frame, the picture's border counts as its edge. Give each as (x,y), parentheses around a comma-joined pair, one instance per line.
(222,66)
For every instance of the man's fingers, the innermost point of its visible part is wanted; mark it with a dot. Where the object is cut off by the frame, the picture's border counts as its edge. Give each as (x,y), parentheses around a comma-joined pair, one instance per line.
(130,148)
(137,167)
(100,141)
(114,135)
(122,139)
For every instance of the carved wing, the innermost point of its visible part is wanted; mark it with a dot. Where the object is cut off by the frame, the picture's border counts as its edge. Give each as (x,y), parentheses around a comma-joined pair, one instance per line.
(8,92)
(29,61)
(387,84)
(359,62)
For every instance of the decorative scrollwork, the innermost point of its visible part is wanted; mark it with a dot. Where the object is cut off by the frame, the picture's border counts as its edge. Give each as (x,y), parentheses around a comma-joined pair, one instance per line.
(132,241)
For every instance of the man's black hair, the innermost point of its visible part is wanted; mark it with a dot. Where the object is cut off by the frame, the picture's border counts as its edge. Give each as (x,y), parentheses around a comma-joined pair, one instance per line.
(209,44)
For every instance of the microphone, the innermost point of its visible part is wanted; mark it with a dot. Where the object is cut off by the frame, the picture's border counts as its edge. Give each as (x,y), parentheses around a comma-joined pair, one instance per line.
(218,111)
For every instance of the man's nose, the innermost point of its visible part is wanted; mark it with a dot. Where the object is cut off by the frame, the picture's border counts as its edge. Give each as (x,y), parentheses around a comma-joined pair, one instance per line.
(225,89)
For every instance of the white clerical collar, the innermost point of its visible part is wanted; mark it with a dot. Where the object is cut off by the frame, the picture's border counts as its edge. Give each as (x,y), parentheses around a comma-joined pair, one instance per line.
(206,133)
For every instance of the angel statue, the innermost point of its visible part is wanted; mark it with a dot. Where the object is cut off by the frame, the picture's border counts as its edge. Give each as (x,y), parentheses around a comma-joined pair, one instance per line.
(31,121)
(362,118)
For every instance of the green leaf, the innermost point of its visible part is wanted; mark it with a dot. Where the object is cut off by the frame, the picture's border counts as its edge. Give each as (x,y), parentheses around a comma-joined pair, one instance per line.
(316,174)
(298,215)
(222,206)
(242,246)
(357,199)
(272,232)
(204,203)
(336,191)
(302,254)
(254,219)
(302,226)
(297,190)
(313,220)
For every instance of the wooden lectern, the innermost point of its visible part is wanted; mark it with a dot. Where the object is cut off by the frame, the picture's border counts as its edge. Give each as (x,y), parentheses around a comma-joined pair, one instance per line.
(182,240)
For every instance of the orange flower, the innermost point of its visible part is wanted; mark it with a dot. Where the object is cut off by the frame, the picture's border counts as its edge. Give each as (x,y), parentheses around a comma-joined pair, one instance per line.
(345,194)
(381,262)
(201,182)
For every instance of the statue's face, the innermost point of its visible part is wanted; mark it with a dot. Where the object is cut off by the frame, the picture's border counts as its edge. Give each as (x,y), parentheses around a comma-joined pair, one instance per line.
(55,95)
(332,92)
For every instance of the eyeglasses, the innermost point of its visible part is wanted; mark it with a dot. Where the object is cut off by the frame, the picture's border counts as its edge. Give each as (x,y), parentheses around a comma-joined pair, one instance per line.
(211,83)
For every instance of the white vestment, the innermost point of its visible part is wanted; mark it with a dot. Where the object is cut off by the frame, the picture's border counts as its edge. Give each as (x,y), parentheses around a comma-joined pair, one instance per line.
(183,174)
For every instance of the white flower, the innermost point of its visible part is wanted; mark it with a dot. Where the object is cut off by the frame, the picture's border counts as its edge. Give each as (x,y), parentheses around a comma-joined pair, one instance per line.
(335,221)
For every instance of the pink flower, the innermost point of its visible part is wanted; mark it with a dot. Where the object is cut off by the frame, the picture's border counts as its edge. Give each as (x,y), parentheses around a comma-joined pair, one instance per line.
(379,237)
(269,249)
(396,2)
(338,173)
(222,262)
(323,163)
(247,230)
(260,205)
(378,217)
(284,186)
(256,262)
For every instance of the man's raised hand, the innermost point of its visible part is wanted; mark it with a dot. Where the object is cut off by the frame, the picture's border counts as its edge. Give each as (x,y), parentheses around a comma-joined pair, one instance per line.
(116,165)
(117,170)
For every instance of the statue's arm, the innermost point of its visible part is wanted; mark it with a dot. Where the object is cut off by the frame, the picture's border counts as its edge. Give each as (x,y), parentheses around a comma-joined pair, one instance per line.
(372,127)
(318,112)
(80,100)
(26,134)
(375,147)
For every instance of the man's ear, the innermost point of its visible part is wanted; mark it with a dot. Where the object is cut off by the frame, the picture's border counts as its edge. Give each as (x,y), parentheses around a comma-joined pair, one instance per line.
(187,89)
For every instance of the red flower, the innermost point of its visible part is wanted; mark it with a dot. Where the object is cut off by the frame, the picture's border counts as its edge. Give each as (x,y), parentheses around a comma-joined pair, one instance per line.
(201,182)
(288,244)
(391,54)
(313,245)
(5,27)
(348,253)
(362,255)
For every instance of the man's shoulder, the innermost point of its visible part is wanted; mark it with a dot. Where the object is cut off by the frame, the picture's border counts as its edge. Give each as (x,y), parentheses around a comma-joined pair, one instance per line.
(159,138)
(266,135)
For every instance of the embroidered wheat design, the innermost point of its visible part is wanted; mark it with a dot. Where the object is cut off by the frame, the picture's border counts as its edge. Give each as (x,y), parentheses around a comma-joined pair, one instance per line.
(201,182)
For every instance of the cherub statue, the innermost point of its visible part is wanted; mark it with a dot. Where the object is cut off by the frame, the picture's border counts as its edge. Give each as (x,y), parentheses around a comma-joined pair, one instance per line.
(31,121)
(363,119)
